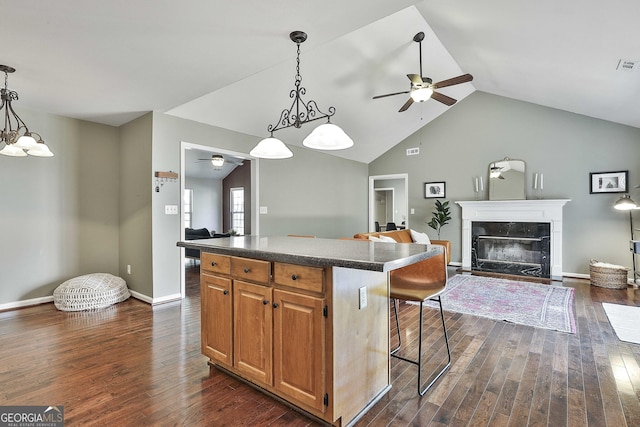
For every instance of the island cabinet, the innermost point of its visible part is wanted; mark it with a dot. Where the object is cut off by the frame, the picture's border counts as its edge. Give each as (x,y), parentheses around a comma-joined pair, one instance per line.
(266,322)
(305,320)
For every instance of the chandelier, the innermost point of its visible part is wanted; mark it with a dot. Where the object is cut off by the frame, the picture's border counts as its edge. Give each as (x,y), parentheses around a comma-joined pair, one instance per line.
(325,137)
(18,140)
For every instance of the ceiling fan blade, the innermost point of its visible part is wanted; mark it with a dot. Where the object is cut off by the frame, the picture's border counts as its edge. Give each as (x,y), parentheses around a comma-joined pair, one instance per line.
(446,100)
(453,81)
(391,94)
(415,79)
(406,105)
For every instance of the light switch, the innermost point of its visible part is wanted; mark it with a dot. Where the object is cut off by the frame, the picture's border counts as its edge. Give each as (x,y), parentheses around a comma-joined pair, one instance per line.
(413,211)
(171,209)
(264,210)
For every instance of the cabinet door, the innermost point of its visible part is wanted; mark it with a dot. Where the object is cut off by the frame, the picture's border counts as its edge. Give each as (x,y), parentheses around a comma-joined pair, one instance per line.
(299,347)
(253,331)
(216,318)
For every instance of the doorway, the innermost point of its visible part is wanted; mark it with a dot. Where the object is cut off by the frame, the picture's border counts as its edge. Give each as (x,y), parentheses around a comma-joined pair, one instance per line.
(395,190)
(209,185)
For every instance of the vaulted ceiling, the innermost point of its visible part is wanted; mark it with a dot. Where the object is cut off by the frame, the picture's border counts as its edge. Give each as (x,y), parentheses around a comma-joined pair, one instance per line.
(231,63)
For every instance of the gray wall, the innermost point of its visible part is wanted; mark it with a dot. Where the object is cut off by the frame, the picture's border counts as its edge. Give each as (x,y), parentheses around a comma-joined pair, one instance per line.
(207,203)
(136,188)
(59,214)
(566,147)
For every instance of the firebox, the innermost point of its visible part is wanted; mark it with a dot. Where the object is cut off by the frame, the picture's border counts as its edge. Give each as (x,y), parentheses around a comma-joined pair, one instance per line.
(519,248)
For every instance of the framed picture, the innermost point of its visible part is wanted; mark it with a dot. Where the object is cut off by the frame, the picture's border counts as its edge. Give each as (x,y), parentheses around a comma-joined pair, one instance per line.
(608,182)
(434,190)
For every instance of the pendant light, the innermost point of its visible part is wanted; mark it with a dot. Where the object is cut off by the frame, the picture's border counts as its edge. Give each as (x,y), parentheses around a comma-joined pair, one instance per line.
(325,137)
(18,140)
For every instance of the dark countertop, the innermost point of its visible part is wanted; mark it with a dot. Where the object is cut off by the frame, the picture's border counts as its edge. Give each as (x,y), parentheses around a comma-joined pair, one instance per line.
(357,254)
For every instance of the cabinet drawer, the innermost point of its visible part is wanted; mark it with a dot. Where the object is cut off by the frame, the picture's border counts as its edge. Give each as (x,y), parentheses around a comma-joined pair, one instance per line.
(299,276)
(214,263)
(250,269)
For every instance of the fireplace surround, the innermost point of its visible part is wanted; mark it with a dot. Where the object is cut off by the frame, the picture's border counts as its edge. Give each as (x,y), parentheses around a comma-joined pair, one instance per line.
(516,257)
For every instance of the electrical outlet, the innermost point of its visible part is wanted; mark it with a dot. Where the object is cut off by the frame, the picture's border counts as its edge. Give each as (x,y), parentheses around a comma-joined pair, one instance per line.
(128,268)
(363,297)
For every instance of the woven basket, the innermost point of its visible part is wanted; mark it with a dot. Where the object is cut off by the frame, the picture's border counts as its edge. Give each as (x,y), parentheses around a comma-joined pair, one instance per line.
(608,275)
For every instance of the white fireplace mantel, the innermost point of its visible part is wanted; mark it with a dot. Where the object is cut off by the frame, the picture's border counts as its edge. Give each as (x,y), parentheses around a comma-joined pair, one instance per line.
(544,210)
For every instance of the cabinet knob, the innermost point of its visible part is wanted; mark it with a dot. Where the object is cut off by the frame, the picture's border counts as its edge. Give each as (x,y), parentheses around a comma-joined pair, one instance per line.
(265,302)
(294,277)
(275,305)
(225,292)
(213,263)
(246,270)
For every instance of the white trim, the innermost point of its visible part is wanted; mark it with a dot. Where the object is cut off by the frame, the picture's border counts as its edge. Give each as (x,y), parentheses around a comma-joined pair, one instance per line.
(26,303)
(155,301)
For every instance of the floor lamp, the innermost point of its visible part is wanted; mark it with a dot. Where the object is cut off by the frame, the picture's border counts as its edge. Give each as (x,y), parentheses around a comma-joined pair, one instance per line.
(625,203)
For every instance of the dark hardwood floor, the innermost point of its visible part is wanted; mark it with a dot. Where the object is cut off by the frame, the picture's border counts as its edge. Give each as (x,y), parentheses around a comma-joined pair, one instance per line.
(136,365)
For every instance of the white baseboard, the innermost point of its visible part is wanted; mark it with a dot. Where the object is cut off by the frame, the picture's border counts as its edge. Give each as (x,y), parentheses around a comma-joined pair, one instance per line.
(155,301)
(26,303)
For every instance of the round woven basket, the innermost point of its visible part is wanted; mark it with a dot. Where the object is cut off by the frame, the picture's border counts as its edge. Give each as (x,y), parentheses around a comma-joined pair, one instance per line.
(607,275)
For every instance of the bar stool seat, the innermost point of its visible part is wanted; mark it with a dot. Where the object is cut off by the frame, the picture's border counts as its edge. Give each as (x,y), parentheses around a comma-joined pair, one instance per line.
(420,282)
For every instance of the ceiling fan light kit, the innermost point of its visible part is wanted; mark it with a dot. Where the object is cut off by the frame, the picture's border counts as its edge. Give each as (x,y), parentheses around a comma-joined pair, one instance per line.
(18,140)
(327,137)
(422,88)
(217,160)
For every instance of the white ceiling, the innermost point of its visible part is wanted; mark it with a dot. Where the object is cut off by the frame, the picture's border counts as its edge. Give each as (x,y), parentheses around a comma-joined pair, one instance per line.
(231,64)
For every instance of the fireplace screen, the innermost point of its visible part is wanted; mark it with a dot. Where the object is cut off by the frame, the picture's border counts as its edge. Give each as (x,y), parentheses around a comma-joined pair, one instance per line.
(520,248)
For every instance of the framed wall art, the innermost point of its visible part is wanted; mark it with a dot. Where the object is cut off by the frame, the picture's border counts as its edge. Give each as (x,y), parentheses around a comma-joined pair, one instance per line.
(433,190)
(608,182)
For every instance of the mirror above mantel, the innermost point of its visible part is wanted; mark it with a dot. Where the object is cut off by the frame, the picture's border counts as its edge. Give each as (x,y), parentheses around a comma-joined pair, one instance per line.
(507,179)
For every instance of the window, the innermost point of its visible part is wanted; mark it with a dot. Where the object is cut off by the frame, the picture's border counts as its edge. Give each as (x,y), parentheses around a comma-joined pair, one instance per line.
(187,200)
(236,198)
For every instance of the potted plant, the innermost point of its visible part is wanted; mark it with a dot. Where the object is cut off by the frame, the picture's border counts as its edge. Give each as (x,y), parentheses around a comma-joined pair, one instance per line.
(441,216)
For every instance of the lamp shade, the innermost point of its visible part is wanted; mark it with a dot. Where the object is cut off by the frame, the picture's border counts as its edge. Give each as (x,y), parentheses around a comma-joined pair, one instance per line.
(13,151)
(328,137)
(625,203)
(40,150)
(26,141)
(420,95)
(271,148)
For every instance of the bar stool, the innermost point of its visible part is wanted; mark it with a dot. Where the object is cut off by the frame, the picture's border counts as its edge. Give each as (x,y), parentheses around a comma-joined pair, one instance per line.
(419,282)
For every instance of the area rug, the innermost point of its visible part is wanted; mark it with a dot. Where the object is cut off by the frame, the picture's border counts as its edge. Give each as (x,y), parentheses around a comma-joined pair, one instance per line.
(524,303)
(625,320)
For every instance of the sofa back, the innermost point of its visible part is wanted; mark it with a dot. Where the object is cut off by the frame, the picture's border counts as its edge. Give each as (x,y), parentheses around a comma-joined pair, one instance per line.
(404,236)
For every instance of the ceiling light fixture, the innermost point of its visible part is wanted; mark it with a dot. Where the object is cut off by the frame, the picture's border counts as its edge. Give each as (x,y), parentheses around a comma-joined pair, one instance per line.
(18,140)
(325,137)
(217,160)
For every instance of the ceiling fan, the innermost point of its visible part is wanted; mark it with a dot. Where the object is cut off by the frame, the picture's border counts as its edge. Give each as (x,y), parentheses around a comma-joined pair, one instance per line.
(218,161)
(422,88)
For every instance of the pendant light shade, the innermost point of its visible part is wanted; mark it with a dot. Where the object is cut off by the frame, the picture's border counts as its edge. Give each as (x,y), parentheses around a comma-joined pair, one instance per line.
(40,150)
(271,148)
(13,151)
(328,137)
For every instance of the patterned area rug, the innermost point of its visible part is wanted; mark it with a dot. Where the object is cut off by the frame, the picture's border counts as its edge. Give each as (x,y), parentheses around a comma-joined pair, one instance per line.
(525,303)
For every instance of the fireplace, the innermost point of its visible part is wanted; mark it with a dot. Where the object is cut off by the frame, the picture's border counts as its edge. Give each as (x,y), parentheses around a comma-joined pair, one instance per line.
(524,251)
(521,248)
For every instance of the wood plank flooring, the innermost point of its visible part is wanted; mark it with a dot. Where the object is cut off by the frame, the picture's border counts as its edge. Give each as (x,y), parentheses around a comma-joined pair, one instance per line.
(136,365)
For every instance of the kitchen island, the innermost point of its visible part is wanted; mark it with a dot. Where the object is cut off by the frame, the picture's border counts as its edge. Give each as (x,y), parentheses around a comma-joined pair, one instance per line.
(306,320)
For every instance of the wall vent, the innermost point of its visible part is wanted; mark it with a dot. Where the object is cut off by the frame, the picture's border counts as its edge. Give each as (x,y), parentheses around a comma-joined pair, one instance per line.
(627,65)
(413,151)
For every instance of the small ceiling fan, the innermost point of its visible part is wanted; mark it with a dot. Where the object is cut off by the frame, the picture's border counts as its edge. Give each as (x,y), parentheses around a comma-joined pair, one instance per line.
(422,88)
(218,161)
